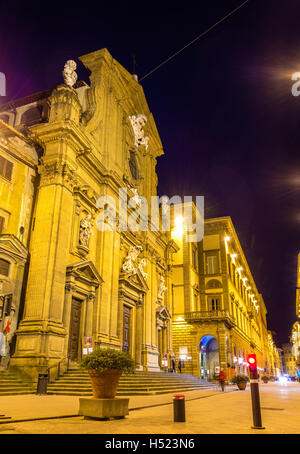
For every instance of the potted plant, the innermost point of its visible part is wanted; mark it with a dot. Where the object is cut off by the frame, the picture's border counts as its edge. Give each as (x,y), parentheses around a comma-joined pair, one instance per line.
(105,367)
(241,381)
(265,378)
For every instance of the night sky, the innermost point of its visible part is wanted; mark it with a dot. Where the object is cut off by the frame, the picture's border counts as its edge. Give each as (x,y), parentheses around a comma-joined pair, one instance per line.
(229,124)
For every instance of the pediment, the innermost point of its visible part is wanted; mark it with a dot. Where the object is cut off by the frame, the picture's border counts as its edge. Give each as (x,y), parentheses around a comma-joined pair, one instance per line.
(12,246)
(85,271)
(163,313)
(135,280)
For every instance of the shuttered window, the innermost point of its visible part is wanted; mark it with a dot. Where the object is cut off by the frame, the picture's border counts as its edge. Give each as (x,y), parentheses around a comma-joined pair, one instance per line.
(6,168)
(4,267)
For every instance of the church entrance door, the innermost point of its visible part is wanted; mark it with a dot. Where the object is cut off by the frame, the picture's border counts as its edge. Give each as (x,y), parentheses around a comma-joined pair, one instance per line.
(126,329)
(74,329)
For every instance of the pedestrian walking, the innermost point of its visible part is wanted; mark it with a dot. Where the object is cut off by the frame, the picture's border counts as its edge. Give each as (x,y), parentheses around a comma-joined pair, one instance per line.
(173,365)
(222,378)
(179,365)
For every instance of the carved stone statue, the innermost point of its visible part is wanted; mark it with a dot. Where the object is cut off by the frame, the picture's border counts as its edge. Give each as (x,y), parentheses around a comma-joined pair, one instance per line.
(142,265)
(85,231)
(161,288)
(136,198)
(128,265)
(69,73)
(138,122)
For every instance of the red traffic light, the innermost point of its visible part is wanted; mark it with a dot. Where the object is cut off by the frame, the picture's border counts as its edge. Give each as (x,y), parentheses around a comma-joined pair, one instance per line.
(251,359)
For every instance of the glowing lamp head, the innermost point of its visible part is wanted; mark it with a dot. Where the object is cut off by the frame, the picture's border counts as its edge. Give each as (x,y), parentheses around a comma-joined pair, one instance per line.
(251,360)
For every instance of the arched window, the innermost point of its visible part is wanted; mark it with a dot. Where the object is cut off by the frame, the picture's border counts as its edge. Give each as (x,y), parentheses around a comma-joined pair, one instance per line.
(32,115)
(213,283)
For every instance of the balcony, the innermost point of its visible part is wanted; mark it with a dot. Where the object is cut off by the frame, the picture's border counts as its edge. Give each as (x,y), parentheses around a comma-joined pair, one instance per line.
(205,316)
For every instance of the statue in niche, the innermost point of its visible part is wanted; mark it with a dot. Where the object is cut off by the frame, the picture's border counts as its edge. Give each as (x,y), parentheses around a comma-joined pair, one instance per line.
(161,287)
(69,73)
(142,265)
(128,265)
(138,122)
(85,231)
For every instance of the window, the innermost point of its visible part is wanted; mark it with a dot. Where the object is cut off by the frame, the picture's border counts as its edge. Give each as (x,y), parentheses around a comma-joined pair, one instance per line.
(212,265)
(133,166)
(194,257)
(1,224)
(6,168)
(4,267)
(214,304)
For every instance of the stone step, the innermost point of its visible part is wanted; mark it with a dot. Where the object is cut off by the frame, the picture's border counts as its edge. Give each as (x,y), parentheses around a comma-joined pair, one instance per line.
(124,393)
(83,386)
(65,379)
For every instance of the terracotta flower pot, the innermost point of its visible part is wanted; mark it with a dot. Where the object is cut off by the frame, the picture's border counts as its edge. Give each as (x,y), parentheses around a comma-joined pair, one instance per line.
(105,383)
(242,385)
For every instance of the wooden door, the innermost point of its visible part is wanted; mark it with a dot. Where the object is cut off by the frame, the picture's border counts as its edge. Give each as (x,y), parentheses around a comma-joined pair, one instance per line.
(74,334)
(126,329)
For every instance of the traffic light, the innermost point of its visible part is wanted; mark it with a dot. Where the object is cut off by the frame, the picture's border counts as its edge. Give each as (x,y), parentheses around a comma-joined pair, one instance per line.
(251,359)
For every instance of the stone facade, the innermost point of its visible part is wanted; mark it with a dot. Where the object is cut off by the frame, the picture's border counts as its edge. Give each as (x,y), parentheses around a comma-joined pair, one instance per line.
(65,284)
(219,317)
(77,290)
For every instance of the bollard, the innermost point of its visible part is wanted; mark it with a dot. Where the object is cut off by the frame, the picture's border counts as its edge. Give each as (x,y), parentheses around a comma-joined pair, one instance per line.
(257,423)
(42,384)
(179,407)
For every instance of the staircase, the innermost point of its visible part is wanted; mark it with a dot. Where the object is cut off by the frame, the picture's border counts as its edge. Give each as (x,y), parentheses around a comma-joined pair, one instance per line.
(77,383)
(12,383)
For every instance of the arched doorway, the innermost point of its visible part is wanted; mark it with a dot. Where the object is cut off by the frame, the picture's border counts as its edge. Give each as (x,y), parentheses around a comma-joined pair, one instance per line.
(209,357)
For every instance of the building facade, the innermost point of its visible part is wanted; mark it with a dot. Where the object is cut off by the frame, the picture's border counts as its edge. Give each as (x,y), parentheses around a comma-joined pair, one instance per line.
(69,147)
(74,163)
(219,317)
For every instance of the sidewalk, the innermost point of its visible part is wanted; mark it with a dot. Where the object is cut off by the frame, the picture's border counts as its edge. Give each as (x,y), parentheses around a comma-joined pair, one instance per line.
(30,407)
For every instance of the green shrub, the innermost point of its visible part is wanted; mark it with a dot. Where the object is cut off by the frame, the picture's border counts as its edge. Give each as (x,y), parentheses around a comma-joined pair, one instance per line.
(265,377)
(240,378)
(109,358)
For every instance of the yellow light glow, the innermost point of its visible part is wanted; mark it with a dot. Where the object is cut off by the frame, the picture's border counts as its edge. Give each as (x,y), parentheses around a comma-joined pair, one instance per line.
(178,229)
(226,239)
(179,319)
(233,256)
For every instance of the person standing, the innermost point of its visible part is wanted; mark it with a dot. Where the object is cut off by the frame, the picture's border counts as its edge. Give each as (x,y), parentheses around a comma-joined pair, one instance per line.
(222,378)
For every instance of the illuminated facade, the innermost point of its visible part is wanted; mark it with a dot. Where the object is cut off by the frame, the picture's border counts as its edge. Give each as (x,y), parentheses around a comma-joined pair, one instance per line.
(66,285)
(60,151)
(219,317)
(289,360)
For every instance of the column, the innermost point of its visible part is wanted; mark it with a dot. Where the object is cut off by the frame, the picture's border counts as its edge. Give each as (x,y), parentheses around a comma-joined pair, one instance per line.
(88,332)
(139,335)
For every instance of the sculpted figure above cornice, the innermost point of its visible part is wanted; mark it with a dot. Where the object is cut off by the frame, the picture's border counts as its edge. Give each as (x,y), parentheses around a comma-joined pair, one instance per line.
(138,122)
(69,74)
(130,259)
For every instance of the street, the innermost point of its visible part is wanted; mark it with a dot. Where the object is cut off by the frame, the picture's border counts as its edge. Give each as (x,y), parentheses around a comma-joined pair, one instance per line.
(218,413)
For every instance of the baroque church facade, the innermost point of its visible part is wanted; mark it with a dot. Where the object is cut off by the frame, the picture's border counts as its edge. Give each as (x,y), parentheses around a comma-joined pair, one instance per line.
(72,286)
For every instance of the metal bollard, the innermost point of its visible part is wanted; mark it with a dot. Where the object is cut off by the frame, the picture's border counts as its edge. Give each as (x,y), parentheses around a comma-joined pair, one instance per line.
(179,407)
(257,422)
(42,384)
